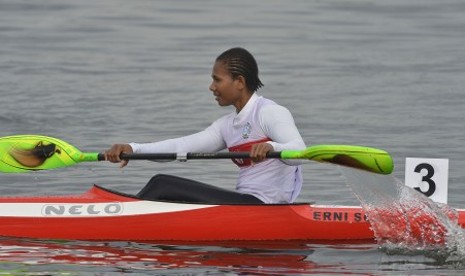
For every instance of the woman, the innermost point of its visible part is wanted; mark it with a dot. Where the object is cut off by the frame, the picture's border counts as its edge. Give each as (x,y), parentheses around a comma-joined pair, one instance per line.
(257,125)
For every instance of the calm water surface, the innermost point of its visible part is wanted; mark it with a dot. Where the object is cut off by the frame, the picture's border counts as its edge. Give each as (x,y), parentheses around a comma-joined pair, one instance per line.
(93,73)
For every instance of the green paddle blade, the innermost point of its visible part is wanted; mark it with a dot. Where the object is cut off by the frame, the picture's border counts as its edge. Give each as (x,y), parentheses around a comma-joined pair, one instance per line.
(364,158)
(22,153)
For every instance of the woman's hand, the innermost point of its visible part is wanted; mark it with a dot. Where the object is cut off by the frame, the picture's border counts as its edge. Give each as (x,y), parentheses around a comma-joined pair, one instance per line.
(113,154)
(259,151)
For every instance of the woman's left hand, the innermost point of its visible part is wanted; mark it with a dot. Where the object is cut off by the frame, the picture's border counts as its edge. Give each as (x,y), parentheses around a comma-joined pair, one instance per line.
(259,151)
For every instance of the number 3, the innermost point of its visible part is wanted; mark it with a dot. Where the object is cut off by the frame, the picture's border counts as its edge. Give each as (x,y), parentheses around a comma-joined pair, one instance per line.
(426,178)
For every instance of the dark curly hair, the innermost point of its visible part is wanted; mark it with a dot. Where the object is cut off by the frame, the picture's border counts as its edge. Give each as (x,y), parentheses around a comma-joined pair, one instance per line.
(240,62)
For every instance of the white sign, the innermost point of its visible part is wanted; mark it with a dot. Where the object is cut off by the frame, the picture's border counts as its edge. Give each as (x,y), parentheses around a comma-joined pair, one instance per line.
(428,176)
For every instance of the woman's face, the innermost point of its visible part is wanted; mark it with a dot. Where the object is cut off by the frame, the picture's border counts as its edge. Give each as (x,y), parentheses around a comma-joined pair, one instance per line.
(228,91)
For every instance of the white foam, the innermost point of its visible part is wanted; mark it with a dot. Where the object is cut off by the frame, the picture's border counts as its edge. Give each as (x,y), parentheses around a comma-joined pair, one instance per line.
(405,221)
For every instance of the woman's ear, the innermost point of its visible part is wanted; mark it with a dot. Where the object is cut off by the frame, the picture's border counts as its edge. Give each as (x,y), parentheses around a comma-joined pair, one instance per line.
(240,82)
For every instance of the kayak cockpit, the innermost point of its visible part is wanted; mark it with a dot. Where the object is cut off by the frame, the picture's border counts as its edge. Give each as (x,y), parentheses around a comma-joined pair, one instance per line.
(150,192)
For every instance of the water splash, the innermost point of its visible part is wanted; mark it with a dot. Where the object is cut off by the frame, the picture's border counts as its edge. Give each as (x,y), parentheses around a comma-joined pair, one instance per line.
(405,221)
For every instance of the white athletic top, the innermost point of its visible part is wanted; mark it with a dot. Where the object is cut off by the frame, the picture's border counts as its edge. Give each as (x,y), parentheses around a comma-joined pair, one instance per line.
(272,180)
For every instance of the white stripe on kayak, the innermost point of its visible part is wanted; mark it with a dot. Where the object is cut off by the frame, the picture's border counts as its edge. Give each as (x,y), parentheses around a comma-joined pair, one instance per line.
(93,209)
(108,209)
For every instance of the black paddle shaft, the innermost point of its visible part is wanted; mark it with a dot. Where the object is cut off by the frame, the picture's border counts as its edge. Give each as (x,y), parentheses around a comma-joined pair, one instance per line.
(193,155)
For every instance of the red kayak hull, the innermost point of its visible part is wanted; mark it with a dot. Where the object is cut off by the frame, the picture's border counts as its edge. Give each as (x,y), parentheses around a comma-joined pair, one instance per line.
(101,214)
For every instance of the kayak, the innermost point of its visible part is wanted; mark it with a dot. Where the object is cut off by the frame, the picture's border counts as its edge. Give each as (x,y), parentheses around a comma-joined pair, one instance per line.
(104,214)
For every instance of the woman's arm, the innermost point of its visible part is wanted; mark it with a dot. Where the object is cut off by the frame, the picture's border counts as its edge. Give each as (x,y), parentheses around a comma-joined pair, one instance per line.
(278,124)
(208,140)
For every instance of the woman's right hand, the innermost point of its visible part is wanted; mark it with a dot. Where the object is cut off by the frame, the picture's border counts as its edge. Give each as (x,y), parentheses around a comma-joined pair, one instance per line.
(114,153)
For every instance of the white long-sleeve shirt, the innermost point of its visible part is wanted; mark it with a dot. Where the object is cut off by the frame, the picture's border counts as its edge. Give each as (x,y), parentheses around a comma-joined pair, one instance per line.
(273,180)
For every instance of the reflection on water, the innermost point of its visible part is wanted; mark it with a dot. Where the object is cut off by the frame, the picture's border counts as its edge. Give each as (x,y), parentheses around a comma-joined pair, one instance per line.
(46,257)
(236,257)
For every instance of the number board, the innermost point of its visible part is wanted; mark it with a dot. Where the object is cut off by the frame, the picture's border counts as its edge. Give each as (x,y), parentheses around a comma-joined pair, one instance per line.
(428,176)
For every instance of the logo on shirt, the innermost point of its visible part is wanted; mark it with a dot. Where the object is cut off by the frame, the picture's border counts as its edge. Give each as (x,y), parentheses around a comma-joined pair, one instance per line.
(246,130)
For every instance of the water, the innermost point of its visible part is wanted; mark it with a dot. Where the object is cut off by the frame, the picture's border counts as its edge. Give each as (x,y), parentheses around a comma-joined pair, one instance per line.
(94,73)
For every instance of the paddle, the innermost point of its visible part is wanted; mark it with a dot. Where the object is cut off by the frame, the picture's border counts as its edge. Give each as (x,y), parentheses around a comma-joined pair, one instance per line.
(23,153)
